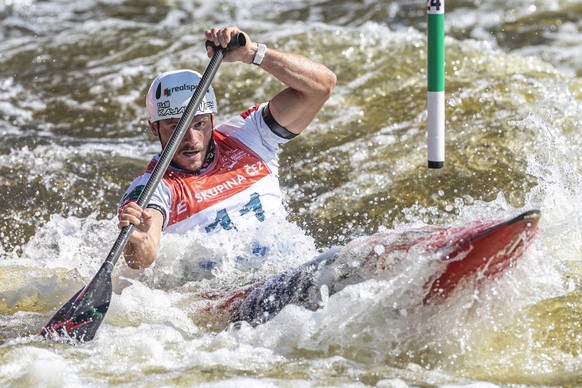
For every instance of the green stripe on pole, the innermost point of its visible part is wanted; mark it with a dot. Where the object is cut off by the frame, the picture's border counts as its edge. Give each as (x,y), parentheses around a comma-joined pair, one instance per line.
(436,52)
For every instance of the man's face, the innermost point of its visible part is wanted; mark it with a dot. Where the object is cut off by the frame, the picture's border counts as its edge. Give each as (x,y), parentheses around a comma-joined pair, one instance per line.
(192,150)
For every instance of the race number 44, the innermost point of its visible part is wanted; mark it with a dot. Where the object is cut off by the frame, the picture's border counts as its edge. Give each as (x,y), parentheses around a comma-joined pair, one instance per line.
(223,218)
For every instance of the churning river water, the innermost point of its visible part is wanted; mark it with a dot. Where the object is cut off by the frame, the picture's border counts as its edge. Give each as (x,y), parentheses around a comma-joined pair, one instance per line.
(73,76)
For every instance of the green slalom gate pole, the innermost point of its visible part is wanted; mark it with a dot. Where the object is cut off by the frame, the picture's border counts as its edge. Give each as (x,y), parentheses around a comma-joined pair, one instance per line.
(436,82)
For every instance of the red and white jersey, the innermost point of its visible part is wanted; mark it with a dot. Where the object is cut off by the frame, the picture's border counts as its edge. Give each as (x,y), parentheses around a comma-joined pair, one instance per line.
(239,188)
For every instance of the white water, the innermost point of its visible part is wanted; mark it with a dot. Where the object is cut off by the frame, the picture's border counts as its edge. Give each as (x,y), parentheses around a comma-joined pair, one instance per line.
(74,137)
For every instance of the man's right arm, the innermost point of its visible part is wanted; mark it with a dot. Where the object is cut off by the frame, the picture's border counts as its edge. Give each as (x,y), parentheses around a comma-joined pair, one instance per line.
(142,248)
(309,84)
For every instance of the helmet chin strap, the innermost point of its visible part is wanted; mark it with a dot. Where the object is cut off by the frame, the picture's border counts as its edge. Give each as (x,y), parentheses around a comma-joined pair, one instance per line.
(159,136)
(211,151)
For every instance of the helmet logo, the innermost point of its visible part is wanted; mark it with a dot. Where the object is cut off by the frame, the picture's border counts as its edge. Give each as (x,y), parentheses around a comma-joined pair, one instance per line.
(171,92)
(185,87)
(159,91)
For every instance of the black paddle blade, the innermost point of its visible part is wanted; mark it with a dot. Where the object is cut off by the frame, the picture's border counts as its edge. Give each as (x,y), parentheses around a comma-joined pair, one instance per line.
(79,319)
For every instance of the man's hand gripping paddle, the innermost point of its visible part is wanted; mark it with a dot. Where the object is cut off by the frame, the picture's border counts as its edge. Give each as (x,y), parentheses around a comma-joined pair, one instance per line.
(79,319)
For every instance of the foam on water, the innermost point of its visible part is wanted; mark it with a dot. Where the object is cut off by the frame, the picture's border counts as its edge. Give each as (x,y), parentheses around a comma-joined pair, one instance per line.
(71,117)
(150,326)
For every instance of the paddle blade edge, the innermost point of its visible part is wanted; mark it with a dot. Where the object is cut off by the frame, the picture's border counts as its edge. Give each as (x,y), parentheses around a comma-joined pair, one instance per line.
(79,319)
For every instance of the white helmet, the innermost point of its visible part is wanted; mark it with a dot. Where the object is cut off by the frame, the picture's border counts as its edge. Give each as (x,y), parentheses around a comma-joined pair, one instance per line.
(170,93)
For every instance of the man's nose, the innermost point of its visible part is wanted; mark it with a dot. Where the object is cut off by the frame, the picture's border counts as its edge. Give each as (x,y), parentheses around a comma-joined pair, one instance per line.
(191,134)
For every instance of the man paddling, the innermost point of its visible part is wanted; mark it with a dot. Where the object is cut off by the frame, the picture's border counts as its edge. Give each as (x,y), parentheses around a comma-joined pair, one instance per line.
(225,176)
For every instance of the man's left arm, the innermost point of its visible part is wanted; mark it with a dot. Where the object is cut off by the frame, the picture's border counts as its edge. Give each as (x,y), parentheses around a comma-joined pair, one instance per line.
(309,84)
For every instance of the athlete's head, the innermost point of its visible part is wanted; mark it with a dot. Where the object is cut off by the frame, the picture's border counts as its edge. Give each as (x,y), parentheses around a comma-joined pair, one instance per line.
(166,101)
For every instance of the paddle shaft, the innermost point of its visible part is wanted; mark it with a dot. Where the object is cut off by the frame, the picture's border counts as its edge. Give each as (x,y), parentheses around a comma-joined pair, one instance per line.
(81,316)
(168,152)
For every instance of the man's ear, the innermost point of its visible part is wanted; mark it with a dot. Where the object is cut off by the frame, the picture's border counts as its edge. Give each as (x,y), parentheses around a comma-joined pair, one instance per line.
(155,128)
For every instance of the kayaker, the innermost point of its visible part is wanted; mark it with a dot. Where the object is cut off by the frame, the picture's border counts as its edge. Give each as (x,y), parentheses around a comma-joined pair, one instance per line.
(221,176)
